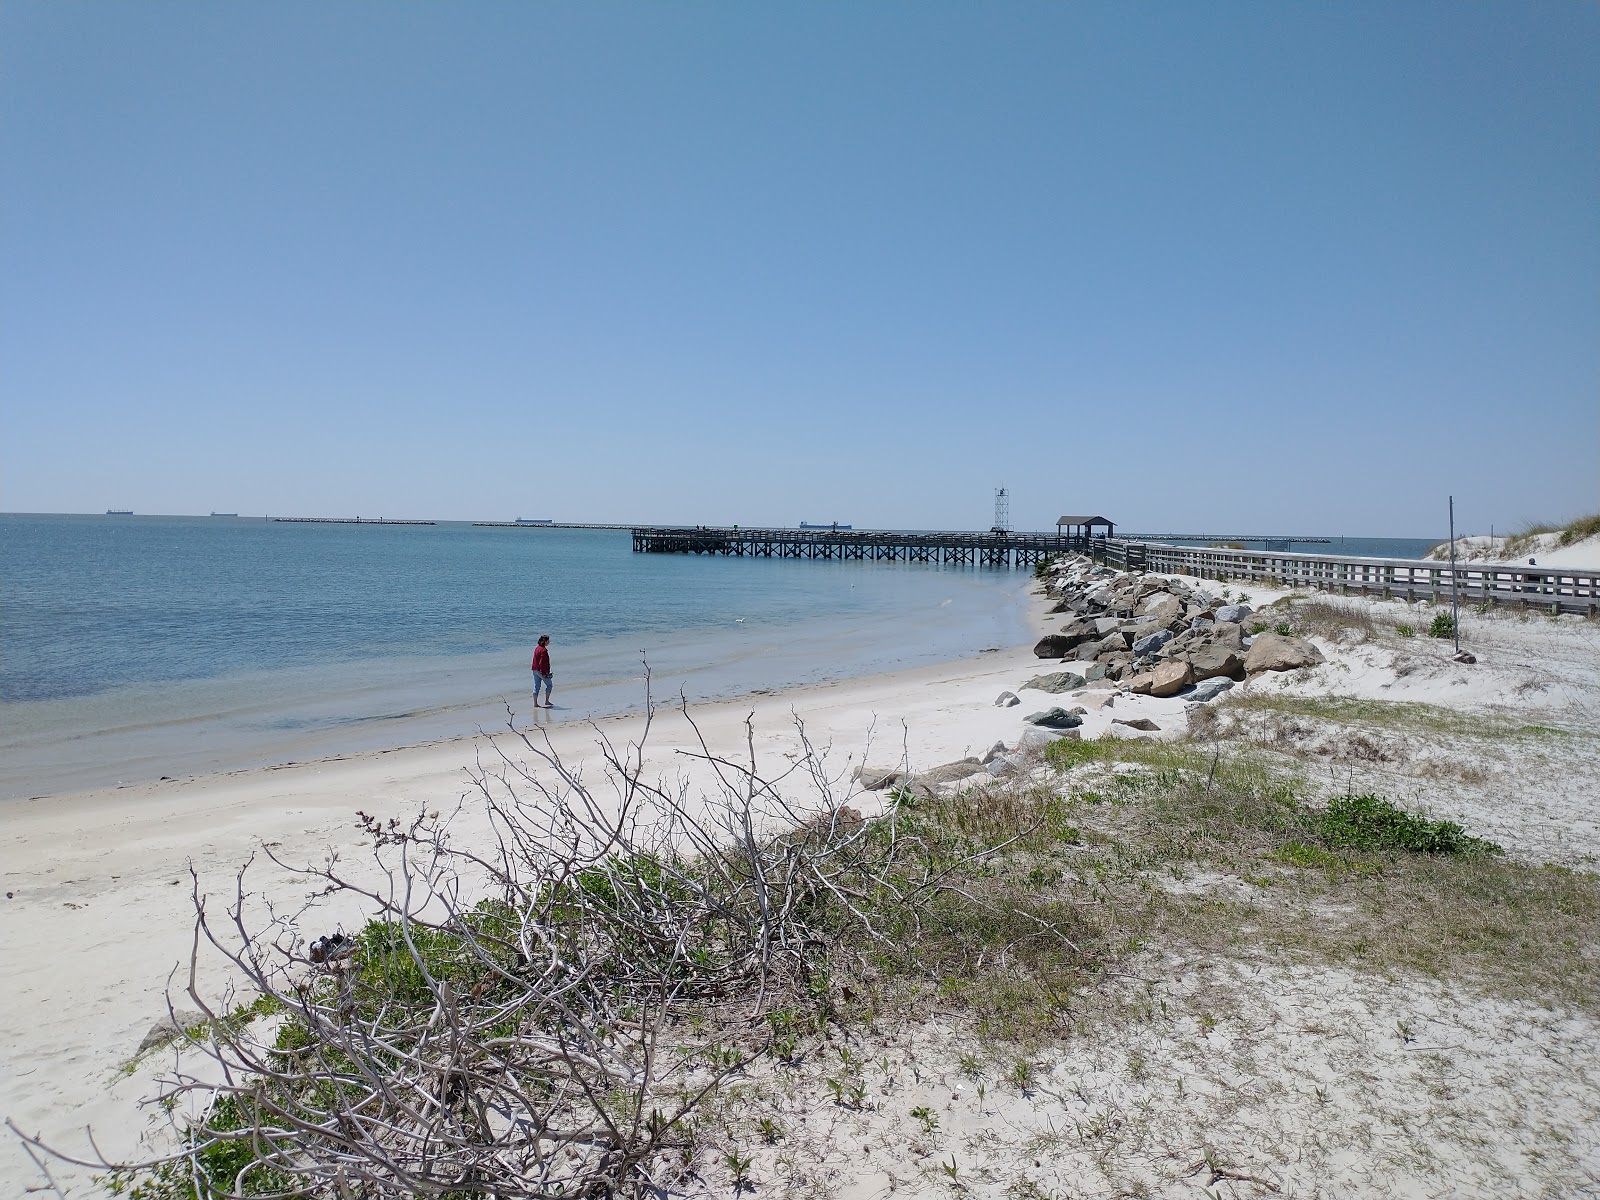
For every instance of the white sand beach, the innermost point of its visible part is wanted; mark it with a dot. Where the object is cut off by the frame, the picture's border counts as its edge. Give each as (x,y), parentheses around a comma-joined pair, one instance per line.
(98,914)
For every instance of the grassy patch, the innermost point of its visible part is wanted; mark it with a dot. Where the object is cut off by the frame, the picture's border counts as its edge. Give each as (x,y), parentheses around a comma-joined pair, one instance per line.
(1120,857)
(1370,822)
(1404,716)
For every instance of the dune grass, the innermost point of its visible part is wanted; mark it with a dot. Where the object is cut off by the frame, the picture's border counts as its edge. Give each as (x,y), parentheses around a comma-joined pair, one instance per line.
(1121,854)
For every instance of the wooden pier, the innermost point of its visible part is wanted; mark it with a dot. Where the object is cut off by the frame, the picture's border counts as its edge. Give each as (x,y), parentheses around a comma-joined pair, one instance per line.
(860,545)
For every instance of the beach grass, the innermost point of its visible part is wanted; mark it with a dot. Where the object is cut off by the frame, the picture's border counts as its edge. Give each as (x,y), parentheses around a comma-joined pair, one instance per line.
(1143,850)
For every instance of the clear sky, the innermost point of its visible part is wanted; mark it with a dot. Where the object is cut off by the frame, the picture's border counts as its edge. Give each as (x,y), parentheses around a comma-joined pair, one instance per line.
(1301,266)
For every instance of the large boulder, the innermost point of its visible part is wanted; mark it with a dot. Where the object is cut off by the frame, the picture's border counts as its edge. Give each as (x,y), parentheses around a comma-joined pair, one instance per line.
(875,779)
(1105,625)
(1061,681)
(1161,608)
(1275,652)
(1226,633)
(1171,678)
(1054,645)
(1207,662)
(1152,642)
(1007,700)
(1209,689)
(1112,643)
(1234,612)
(1038,739)
(951,772)
(1054,718)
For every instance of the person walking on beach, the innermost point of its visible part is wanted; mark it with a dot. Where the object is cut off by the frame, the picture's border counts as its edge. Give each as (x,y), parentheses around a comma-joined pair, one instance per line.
(541,671)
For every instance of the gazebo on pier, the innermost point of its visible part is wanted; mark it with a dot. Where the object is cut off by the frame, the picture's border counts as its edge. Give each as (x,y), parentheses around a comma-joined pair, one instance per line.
(1083,527)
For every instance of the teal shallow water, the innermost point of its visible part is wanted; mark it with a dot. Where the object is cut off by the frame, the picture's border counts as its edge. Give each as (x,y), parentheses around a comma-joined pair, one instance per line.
(137,647)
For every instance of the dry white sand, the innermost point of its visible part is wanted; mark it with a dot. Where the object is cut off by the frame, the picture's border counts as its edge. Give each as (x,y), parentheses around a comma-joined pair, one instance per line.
(98,913)
(1546,548)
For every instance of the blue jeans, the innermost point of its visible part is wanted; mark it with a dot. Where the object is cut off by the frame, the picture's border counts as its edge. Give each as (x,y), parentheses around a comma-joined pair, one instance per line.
(540,679)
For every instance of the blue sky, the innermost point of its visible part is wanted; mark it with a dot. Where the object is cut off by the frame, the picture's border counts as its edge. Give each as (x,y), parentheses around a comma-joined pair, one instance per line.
(1307,266)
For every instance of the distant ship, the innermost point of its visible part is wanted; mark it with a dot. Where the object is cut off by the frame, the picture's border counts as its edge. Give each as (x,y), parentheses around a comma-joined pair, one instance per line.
(535,521)
(217,514)
(119,512)
(833,525)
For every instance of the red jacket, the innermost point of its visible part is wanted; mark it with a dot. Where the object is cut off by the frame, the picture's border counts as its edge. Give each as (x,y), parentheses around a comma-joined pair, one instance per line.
(541,660)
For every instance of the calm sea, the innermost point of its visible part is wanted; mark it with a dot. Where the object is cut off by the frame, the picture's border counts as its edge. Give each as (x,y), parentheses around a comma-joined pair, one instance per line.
(137,647)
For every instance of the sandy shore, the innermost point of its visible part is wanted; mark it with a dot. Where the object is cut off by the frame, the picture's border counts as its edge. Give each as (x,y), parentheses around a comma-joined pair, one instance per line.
(98,909)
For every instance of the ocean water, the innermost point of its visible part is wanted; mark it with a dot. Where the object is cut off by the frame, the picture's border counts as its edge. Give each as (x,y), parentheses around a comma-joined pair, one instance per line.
(133,648)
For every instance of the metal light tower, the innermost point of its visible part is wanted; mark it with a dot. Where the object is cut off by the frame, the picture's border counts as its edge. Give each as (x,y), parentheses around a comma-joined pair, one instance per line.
(1002,511)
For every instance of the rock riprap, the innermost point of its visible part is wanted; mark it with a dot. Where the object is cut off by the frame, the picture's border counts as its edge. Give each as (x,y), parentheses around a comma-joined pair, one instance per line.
(1158,633)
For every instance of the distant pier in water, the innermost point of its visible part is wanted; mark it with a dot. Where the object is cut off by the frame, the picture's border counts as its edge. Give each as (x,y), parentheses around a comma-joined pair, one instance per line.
(975,549)
(344,521)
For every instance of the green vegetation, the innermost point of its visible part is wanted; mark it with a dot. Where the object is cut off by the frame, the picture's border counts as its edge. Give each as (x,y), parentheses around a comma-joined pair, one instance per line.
(1010,905)
(1369,822)
(1443,625)
(1405,630)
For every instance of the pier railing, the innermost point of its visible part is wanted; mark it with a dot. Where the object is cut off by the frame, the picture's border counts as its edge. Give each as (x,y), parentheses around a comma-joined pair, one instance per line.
(870,545)
(1554,589)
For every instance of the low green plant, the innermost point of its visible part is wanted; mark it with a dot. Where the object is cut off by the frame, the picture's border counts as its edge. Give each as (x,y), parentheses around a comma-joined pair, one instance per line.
(1283,629)
(1443,625)
(220,1167)
(1369,822)
(928,1119)
(1405,630)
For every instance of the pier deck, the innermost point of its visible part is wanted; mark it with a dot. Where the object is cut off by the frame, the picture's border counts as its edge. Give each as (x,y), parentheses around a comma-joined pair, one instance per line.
(972,549)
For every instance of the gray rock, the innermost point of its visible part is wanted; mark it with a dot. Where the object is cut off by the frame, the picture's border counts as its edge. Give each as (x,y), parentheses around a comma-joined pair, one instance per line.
(1054,718)
(167,1029)
(951,772)
(1097,671)
(1053,645)
(1234,612)
(1207,662)
(1038,739)
(1007,700)
(1105,625)
(1143,724)
(995,751)
(1150,643)
(1209,689)
(875,779)
(1163,608)
(1061,681)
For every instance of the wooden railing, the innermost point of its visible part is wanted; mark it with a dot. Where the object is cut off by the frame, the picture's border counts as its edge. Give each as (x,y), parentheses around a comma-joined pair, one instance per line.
(1554,589)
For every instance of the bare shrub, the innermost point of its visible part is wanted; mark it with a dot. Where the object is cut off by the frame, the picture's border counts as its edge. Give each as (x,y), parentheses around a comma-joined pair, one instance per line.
(538,1018)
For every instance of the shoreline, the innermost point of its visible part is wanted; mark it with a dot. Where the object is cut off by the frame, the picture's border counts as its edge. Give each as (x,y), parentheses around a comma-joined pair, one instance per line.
(99,890)
(195,728)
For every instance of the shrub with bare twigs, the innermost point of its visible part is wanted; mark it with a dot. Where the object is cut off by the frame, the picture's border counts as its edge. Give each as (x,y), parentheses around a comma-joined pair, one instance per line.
(539,1018)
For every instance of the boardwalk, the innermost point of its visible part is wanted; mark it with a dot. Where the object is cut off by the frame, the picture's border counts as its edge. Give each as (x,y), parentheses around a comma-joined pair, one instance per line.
(971,549)
(1552,589)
